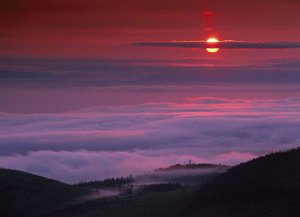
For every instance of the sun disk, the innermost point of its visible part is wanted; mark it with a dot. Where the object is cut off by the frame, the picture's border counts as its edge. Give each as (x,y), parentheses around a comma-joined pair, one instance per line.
(212,45)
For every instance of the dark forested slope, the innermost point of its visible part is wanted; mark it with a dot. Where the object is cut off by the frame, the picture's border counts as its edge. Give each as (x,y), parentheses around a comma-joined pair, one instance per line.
(24,194)
(268,186)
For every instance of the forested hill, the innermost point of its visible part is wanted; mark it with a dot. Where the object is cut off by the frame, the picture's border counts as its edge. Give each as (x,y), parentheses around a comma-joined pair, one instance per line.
(268,186)
(24,194)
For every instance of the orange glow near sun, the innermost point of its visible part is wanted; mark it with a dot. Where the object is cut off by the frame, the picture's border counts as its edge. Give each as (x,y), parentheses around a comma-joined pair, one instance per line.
(211,42)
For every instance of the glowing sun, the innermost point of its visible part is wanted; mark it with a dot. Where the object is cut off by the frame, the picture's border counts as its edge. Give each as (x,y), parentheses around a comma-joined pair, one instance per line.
(212,45)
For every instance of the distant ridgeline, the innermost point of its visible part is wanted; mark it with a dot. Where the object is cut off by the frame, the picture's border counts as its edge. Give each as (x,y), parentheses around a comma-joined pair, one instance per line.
(191,166)
(110,182)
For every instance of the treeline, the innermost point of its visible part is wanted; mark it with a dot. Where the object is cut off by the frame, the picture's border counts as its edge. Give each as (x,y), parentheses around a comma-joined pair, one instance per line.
(109,182)
(191,166)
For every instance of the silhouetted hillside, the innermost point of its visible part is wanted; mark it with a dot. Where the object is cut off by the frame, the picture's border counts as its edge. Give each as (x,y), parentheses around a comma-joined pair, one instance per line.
(268,186)
(24,194)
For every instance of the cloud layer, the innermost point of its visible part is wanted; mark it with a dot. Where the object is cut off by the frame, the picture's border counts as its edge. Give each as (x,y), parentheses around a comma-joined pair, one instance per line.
(82,145)
(223,44)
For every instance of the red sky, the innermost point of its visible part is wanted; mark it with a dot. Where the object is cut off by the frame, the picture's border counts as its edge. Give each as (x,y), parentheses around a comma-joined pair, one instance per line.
(87,43)
(93,28)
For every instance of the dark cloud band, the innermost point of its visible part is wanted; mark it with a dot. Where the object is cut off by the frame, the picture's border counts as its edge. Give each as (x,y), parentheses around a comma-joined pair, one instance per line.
(223,44)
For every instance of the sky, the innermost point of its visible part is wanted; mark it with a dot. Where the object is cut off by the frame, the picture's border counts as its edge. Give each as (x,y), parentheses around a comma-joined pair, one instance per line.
(86,93)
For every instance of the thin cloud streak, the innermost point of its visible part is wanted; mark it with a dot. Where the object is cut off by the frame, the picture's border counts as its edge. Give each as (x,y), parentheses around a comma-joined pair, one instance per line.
(228,44)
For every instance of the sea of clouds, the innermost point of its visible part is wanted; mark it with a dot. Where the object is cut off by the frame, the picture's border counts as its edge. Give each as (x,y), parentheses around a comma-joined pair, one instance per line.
(109,141)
